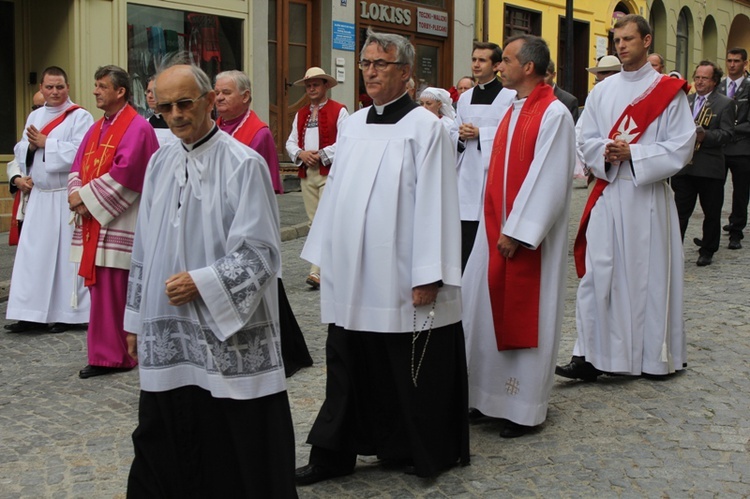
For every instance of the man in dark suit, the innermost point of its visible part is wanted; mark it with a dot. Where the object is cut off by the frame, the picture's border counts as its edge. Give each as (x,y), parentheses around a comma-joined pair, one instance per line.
(705,175)
(570,100)
(736,86)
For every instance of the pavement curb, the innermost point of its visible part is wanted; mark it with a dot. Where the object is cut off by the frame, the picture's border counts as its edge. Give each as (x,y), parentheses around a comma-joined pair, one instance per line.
(294,231)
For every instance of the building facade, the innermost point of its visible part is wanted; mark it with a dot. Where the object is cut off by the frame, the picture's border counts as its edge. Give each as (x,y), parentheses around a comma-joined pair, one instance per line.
(685,31)
(273,41)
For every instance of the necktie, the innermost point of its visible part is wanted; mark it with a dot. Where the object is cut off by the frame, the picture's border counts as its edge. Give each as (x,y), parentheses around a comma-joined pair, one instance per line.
(732,88)
(698,105)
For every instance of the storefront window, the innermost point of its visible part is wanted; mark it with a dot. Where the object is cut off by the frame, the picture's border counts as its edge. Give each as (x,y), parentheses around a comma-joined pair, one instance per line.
(426,67)
(212,42)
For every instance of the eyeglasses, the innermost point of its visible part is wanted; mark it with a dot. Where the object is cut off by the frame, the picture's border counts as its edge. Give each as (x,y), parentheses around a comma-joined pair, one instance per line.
(380,65)
(182,104)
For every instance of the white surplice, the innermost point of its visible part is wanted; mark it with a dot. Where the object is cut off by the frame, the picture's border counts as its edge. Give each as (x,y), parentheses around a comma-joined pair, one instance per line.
(515,384)
(474,162)
(629,303)
(210,211)
(45,286)
(387,222)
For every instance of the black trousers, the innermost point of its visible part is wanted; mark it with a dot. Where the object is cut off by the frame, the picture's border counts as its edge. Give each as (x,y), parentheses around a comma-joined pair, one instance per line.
(468,234)
(710,193)
(373,408)
(740,168)
(189,444)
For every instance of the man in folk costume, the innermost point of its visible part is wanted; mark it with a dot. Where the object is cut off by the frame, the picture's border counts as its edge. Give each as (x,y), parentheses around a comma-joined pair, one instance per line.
(387,237)
(233,90)
(214,416)
(514,283)
(636,132)
(104,188)
(233,98)
(478,113)
(704,177)
(736,86)
(44,286)
(312,143)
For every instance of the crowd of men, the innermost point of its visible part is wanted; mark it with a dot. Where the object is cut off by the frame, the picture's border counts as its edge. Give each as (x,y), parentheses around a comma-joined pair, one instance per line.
(438,242)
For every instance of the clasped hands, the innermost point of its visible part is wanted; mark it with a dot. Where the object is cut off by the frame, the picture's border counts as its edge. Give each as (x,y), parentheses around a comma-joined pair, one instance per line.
(467,131)
(309,158)
(37,140)
(617,151)
(24,184)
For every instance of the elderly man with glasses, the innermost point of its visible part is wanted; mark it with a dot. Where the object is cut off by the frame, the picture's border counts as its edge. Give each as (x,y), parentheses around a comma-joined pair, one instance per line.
(104,188)
(387,239)
(214,416)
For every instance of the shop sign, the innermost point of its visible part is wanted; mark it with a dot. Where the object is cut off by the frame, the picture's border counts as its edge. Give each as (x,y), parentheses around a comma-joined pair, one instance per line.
(343,36)
(432,22)
(384,13)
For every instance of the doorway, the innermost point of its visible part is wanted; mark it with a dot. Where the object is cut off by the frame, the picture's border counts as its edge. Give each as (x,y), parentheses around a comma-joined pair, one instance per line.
(291,32)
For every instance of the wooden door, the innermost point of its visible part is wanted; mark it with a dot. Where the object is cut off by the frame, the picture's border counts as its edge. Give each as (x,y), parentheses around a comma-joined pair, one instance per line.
(290,53)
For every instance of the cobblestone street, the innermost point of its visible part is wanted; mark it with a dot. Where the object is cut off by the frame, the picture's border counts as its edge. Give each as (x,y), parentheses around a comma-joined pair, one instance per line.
(688,436)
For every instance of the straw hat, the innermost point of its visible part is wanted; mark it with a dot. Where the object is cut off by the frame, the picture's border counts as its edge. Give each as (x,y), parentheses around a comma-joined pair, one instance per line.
(606,63)
(315,72)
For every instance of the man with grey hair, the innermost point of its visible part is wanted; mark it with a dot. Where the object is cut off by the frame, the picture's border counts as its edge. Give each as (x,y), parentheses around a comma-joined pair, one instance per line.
(657,62)
(214,416)
(514,284)
(387,239)
(104,188)
(233,98)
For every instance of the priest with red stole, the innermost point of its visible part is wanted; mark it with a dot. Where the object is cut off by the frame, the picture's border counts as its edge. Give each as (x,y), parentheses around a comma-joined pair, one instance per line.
(514,283)
(104,189)
(233,98)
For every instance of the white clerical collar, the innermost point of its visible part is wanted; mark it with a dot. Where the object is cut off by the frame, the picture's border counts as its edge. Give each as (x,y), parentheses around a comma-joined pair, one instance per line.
(380,109)
(488,82)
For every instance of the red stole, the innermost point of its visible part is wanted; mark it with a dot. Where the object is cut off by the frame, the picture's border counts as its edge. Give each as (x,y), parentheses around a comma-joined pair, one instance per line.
(15,228)
(248,129)
(96,162)
(328,117)
(514,283)
(632,123)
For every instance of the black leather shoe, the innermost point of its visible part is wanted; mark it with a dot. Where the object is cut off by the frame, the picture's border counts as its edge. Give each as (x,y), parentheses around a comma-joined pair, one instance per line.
(734,244)
(24,326)
(514,430)
(314,473)
(61,327)
(703,260)
(91,371)
(578,370)
(727,227)
(698,242)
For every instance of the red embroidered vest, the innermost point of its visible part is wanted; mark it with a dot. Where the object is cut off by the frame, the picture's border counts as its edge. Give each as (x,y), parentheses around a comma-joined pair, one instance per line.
(328,117)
